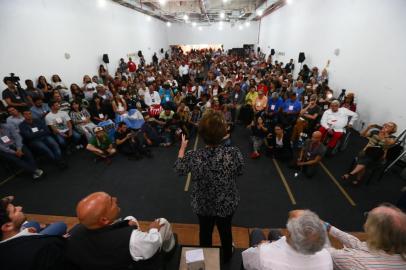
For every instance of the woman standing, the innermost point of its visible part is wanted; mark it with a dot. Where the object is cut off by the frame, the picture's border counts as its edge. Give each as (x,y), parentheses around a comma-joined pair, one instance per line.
(214,170)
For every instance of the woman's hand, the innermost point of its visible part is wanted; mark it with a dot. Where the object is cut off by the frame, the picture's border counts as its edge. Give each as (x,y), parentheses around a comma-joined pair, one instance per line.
(184,142)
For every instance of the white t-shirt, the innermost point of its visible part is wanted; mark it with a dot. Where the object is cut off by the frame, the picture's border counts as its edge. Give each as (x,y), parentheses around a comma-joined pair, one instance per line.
(58,120)
(184,70)
(280,255)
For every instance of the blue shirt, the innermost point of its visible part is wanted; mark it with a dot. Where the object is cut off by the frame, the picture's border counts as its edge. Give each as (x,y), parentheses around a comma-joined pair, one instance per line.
(292,106)
(274,105)
(165,95)
(37,112)
(299,91)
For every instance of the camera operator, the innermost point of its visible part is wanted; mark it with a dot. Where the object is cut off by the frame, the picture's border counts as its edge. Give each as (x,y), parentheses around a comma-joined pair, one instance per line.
(14,95)
(128,143)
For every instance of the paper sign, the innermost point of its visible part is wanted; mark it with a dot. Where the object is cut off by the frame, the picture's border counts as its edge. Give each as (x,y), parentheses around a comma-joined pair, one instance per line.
(194,255)
(5,139)
(34,129)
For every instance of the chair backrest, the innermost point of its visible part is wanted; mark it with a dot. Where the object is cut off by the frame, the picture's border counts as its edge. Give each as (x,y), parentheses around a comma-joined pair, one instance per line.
(394,152)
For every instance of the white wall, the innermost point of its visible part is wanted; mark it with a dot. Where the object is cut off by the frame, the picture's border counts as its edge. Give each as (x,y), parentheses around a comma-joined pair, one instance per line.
(371,37)
(229,36)
(36,34)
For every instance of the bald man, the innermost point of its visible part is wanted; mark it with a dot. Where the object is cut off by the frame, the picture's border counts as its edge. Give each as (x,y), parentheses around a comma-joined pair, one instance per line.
(385,247)
(103,241)
(301,248)
(311,154)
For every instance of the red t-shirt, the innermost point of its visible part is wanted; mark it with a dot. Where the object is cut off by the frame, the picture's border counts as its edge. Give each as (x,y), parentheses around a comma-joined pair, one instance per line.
(132,67)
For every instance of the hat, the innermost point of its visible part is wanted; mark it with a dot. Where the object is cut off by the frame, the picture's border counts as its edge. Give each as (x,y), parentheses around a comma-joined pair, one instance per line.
(97,129)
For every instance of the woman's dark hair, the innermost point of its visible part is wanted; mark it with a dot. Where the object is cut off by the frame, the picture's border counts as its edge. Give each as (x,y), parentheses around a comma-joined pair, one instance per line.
(75,102)
(56,78)
(212,127)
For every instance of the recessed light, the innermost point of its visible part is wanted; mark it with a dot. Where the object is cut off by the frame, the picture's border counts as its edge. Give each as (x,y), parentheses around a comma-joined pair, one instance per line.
(260,12)
(185,17)
(222,15)
(168,24)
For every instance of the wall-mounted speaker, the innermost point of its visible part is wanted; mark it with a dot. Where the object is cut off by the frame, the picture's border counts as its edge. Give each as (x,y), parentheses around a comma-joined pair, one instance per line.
(106,58)
(272,51)
(302,57)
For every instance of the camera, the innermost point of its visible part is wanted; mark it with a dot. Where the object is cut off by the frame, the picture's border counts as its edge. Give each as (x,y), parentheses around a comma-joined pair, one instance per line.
(14,79)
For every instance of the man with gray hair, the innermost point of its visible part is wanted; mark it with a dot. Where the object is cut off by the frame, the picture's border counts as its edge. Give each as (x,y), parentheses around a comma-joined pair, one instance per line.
(301,248)
(334,121)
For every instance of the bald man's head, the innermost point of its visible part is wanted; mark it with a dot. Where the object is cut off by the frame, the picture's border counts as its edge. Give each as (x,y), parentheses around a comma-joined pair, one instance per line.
(316,136)
(386,229)
(97,210)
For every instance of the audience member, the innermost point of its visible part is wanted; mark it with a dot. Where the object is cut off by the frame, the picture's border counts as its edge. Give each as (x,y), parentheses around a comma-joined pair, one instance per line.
(310,155)
(258,137)
(13,150)
(39,109)
(15,118)
(101,145)
(279,146)
(14,95)
(39,139)
(334,121)
(60,124)
(81,120)
(129,144)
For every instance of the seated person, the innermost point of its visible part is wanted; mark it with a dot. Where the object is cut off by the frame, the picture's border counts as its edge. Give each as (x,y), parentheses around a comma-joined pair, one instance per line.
(24,245)
(334,121)
(310,155)
(380,139)
(63,104)
(275,104)
(259,134)
(166,95)
(31,91)
(301,248)
(38,138)
(39,109)
(14,96)
(81,120)
(128,143)
(349,102)
(384,247)
(15,118)
(98,110)
(13,150)
(150,132)
(101,145)
(119,105)
(101,232)
(279,144)
(260,103)
(60,124)
(307,119)
(151,97)
(291,109)
(184,117)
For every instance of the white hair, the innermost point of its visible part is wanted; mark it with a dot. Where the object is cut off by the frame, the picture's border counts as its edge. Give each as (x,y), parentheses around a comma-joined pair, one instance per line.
(307,233)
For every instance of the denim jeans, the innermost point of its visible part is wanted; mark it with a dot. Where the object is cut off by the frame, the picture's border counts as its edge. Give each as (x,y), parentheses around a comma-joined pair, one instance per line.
(25,162)
(56,229)
(48,146)
(63,142)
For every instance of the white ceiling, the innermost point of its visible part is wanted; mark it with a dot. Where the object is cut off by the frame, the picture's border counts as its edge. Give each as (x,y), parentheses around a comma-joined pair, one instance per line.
(202,11)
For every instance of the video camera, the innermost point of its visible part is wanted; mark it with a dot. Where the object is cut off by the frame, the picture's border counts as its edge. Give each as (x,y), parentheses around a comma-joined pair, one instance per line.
(14,79)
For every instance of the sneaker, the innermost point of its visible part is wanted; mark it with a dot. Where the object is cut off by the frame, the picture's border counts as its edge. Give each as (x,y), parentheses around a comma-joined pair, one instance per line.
(37,174)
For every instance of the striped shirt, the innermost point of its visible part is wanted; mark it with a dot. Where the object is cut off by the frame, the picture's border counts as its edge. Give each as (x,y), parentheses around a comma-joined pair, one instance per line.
(356,255)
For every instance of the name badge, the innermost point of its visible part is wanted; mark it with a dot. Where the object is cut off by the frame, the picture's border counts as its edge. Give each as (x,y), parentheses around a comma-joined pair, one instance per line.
(325,107)
(34,129)
(236,96)
(18,97)
(101,115)
(306,98)
(83,118)
(5,139)
(215,92)
(272,107)
(258,104)
(58,120)
(290,107)
(167,99)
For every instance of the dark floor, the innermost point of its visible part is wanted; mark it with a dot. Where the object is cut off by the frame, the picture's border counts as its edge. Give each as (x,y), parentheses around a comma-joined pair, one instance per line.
(149,188)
